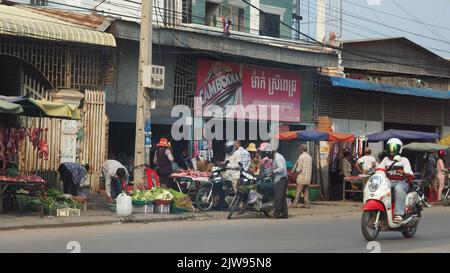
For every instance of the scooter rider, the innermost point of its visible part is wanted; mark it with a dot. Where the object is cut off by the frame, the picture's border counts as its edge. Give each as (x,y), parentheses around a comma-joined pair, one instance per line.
(403,167)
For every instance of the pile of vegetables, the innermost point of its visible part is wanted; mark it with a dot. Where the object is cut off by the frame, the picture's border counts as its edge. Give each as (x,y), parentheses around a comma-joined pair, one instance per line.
(181,200)
(151,195)
(53,199)
(291,193)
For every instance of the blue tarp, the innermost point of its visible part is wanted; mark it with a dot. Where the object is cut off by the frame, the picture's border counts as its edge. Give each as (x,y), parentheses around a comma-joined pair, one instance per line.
(401,134)
(312,136)
(371,86)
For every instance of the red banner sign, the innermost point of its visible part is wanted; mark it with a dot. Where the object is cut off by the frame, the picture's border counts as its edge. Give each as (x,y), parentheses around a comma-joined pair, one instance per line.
(222,84)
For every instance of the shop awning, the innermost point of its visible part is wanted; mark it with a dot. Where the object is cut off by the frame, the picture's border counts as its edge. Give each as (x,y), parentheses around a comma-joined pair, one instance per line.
(379,87)
(19,21)
(425,147)
(313,135)
(43,108)
(7,107)
(401,134)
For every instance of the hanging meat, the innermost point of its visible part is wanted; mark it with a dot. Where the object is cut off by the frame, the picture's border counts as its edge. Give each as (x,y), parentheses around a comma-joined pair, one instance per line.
(3,149)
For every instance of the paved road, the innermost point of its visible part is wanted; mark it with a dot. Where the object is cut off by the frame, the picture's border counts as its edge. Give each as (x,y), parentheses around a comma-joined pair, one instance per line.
(300,234)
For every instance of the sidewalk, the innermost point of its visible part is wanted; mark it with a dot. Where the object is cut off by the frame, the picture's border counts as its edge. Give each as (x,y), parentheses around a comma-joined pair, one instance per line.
(102,217)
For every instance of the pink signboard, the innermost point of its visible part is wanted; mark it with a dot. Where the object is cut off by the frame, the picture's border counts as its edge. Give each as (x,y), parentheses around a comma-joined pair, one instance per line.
(221,84)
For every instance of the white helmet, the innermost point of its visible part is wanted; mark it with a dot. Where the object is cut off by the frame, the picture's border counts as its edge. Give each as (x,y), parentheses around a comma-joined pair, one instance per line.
(394,147)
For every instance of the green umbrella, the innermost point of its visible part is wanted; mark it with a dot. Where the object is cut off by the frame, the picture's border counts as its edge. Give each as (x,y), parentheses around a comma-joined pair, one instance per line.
(425,147)
(7,107)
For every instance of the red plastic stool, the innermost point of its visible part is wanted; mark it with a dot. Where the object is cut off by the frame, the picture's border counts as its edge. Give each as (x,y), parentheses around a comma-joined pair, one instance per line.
(152,178)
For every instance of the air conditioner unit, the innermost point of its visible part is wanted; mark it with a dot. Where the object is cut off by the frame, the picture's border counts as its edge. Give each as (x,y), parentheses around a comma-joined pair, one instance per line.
(154,78)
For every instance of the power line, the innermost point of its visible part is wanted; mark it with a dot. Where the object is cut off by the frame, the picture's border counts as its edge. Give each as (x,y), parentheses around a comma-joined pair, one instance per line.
(417,20)
(393,15)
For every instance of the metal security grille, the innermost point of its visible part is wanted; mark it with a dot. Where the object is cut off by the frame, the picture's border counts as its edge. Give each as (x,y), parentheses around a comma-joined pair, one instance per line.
(345,104)
(64,66)
(401,109)
(185,80)
(446,106)
(187,11)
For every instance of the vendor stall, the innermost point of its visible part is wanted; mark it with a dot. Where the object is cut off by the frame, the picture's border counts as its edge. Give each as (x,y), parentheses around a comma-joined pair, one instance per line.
(317,136)
(189,181)
(12,135)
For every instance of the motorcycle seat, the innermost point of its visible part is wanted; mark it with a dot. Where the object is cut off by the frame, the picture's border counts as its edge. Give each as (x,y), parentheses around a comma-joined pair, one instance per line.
(265,188)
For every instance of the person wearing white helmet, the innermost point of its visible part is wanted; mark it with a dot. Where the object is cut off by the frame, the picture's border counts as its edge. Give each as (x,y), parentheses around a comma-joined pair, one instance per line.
(399,187)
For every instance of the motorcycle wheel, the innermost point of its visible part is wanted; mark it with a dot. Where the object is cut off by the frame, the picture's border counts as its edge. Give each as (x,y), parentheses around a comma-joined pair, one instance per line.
(235,205)
(369,232)
(409,232)
(202,194)
(446,200)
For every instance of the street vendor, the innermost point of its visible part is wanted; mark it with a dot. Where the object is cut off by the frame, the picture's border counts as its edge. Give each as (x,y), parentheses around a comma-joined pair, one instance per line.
(366,163)
(255,163)
(163,161)
(71,174)
(233,158)
(116,177)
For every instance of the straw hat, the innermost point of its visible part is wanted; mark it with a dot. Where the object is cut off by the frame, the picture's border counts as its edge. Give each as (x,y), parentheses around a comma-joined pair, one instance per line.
(251,147)
(163,142)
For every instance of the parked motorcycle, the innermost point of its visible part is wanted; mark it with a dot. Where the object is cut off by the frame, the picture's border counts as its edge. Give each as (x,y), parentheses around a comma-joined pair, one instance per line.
(379,205)
(209,194)
(254,194)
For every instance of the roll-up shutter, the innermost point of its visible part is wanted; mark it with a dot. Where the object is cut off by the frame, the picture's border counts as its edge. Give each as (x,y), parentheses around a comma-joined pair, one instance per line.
(346,104)
(401,109)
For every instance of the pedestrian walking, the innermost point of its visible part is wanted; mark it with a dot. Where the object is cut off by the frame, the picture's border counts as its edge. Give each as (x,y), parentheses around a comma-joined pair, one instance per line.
(163,160)
(303,167)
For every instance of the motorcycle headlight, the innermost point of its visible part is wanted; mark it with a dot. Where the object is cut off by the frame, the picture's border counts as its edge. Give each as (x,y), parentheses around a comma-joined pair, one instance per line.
(374,183)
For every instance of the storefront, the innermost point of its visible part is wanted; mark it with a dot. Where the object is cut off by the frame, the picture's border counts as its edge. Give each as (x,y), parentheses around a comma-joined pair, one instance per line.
(251,102)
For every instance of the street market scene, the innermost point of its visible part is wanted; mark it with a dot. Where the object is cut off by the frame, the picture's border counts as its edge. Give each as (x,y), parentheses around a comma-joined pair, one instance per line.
(200,120)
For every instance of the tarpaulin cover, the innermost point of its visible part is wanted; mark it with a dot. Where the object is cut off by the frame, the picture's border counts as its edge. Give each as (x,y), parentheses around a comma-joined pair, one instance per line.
(425,147)
(7,107)
(401,134)
(44,108)
(313,135)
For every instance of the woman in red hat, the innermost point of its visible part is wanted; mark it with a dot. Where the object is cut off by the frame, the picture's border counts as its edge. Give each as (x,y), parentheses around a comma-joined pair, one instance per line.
(440,173)
(163,161)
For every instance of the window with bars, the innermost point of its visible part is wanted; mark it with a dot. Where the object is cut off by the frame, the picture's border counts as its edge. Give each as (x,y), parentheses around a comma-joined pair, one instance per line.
(187,11)
(236,15)
(39,2)
(185,80)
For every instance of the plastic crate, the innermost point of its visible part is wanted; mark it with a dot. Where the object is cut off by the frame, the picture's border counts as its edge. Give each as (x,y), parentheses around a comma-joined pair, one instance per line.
(139,209)
(162,208)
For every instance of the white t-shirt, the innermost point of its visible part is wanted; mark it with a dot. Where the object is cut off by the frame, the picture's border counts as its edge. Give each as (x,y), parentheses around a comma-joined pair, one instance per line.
(367,162)
(404,162)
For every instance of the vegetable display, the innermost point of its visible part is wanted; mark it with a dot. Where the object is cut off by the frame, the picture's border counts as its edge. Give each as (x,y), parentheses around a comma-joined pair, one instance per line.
(181,200)
(151,195)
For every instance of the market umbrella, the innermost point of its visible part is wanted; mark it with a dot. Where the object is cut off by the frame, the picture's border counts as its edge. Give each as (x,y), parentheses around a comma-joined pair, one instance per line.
(313,135)
(401,134)
(7,107)
(424,147)
(43,108)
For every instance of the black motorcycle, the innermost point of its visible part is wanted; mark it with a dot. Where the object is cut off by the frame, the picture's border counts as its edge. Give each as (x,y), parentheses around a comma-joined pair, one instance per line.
(254,193)
(217,192)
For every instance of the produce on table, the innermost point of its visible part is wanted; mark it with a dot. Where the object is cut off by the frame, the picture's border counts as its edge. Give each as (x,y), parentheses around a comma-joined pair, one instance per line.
(22,178)
(151,195)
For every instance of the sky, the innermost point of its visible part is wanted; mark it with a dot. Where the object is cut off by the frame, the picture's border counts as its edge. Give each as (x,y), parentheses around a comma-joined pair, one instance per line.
(367,19)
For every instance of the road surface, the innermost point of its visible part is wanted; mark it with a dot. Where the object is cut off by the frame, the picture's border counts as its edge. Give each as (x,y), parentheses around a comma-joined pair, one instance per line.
(338,233)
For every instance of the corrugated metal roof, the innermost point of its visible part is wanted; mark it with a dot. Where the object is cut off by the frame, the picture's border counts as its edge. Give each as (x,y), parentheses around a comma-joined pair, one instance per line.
(371,86)
(84,19)
(25,22)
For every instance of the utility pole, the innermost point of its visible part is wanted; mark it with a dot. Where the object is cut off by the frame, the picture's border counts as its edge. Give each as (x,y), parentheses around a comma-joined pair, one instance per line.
(141,152)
